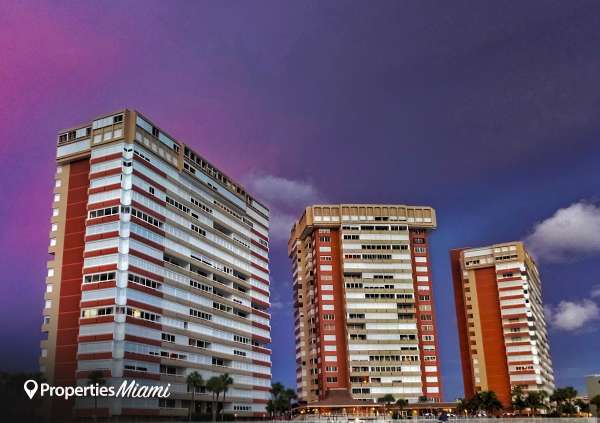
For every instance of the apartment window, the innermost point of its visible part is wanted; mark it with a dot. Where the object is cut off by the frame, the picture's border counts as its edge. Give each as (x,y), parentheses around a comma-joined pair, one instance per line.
(166,403)
(48,304)
(198,229)
(109,211)
(99,277)
(167,337)
(216,361)
(49,287)
(241,339)
(328,317)
(94,312)
(143,281)
(151,190)
(146,218)
(141,314)
(427,337)
(199,343)
(240,353)
(332,379)
(200,314)
(331,369)
(50,272)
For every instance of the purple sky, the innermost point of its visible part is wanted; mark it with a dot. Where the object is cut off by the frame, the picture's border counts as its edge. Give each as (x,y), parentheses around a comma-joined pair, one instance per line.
(489,112)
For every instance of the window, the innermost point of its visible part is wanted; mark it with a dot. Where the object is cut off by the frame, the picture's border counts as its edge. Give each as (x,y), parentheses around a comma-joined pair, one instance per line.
(328,317)
(151,190)
(332,379)
(241,339)
(109,211)
(200,314)
(200,286)
(240,353)
(199,343)
(167,337)
(94,312)
(166,403)
(146,218)
(140,280)
(198,229)
(141,314)
(216,361)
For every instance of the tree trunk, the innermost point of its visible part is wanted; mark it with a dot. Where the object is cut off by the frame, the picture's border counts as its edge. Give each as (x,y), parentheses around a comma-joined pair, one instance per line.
(214,409)
(223,407)
(192,406)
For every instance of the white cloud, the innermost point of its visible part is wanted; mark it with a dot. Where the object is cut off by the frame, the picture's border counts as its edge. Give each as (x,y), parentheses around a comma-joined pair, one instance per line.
(278,191)
(571,233)
(286,199)
(571,315)
(595,292)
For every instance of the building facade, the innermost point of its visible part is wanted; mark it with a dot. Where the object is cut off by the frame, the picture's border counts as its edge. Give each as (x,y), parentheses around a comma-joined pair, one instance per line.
(159,268)
(364,311)
(502,330)
(593,389)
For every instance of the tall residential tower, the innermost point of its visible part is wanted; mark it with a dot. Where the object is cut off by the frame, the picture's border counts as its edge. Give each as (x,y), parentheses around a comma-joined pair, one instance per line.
(364,314)
(159,268)
(502,331)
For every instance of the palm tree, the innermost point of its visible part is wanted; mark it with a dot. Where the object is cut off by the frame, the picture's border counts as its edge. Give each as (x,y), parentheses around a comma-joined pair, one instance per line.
(194,381)
(226,381)
(96,378)
(290,395)
(518,399)
(489,402)
(215,386)
(401,403)
(582,406)
(464,406)
(563,397)
(386,400)
(595,400)
(536,400)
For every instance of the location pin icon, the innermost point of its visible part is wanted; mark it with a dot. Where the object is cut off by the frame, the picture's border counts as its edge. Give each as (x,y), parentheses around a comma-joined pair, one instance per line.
(31,387)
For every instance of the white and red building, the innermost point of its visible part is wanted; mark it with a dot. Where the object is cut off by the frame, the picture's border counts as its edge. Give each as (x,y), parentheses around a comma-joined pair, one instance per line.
(160,267)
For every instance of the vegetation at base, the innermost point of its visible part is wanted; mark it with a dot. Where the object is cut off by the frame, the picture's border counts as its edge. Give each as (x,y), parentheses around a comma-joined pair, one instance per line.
(282,400)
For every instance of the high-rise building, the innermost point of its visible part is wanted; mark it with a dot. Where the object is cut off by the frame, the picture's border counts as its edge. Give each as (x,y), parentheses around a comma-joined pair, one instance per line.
(364,312)
(593,389)
(159,268)
(502,331)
